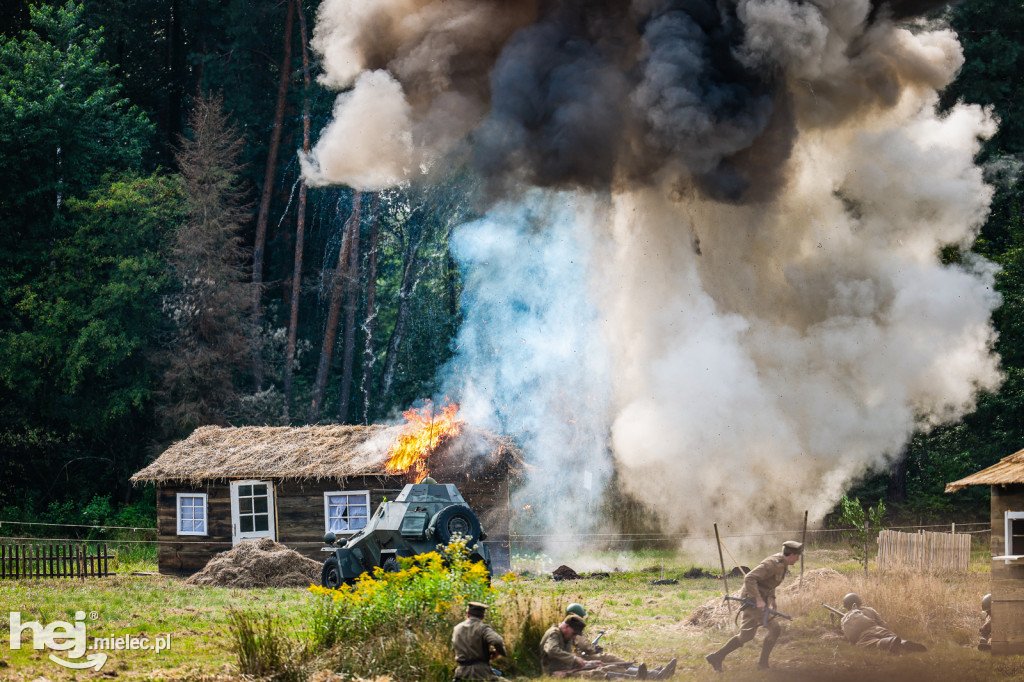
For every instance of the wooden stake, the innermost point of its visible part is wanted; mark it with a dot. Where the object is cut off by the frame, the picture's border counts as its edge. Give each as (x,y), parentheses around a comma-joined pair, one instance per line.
(725,581)
(803,541)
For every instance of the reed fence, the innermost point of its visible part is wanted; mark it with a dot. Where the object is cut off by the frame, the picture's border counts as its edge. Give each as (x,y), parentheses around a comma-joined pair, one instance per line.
(925,551)
(53,560)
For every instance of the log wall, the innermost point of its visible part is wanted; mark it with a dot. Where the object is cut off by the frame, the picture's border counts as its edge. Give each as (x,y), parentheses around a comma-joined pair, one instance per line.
(299,517)
(1007,579)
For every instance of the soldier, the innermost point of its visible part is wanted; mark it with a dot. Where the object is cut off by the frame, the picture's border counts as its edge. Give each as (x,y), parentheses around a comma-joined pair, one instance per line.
(759,587)
(985,641)
(475,644)
(614,666)
(556,654)
(586,649)
(863,626)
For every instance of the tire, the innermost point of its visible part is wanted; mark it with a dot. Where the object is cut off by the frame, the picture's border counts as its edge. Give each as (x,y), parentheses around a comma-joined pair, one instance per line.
(330,574)
(454,519)
(391,565)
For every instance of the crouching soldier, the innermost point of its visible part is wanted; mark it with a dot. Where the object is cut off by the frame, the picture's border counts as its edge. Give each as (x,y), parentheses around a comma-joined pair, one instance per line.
(863,626)
(759,587)
(985,641)
(475,644)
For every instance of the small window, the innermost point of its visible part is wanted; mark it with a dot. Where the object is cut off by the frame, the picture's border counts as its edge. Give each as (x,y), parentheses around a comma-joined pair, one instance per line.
(1014,534)
(192,514)
(346,511)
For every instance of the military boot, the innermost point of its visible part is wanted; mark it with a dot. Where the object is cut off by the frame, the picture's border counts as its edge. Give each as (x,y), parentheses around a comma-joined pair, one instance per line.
(766,650)
(716,658)
(908,646)
(663,673)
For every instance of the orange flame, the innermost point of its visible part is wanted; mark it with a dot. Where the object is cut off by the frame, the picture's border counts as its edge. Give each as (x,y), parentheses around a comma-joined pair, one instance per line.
(424,433)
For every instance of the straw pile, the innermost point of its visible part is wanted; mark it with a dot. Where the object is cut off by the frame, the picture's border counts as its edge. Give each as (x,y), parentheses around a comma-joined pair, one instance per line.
(260,563)
(816,579)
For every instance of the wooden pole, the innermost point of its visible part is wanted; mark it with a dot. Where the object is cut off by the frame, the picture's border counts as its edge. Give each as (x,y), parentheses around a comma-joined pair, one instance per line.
(803,541)
(867,529)
(721,561)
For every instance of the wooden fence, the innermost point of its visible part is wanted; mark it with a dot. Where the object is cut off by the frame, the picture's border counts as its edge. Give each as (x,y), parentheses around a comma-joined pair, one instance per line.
(51,560)
(924,551)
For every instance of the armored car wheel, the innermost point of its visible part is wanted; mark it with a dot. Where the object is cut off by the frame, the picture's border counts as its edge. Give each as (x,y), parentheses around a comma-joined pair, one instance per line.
(391,565)
(455,519)
(330,574)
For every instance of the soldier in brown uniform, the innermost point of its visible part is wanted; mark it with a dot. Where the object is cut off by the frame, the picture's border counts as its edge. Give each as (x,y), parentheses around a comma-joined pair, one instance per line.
(475,644)
(863,626)
(759,587)
(586,649)
(985,641)
(556,654)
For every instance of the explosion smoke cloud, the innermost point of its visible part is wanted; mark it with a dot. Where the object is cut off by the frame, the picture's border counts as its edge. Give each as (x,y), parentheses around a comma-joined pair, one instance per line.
(755,193)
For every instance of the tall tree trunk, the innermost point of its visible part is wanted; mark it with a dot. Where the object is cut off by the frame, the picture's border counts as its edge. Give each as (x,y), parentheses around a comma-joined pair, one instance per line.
(345,394)
(300,222)
(334,312)
(410,279)
(370,321)
(268,186)
(897,491)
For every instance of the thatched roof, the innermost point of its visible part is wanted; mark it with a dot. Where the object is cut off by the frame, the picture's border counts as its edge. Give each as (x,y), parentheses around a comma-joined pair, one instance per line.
(1007,470)
(311,452)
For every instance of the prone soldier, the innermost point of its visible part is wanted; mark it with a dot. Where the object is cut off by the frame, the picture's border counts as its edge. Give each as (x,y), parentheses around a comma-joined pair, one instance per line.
(863,626)
(759,587)
(475,644)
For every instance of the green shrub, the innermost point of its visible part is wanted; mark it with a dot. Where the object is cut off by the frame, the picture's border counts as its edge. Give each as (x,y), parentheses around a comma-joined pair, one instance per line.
(264,649)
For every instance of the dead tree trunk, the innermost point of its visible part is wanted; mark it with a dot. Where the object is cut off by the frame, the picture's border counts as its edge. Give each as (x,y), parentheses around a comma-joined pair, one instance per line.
(300,222)
(352,281)
(268,185)
(370,321)
(334,312)
(410,279)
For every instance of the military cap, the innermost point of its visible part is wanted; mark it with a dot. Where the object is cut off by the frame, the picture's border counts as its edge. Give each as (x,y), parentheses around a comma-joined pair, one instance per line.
(476,607)
(792,547)
(576,623)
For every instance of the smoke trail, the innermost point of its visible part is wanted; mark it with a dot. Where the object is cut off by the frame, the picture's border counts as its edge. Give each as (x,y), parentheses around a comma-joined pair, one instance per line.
(760,189)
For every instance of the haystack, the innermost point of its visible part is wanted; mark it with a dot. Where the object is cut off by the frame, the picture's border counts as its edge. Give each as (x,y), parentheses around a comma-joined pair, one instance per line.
(259,563)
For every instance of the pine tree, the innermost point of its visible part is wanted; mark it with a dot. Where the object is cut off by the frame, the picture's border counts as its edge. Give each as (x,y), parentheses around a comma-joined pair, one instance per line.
(209,347)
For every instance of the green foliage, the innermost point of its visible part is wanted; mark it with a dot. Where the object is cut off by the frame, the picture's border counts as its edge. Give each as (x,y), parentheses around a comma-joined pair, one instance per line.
(430,592)
(863,521)
(263,648)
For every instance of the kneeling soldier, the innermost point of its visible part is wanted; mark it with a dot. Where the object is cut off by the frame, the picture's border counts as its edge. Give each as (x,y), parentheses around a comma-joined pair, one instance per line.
(985,640)
(759,587)
(863,626)
(473,640)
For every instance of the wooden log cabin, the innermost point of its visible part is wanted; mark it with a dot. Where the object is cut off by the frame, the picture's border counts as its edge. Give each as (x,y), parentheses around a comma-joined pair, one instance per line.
(222,486)
(1006,480)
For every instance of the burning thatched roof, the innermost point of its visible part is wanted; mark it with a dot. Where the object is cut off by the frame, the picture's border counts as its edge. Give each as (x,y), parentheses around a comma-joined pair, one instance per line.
(311,452)
(1007,470)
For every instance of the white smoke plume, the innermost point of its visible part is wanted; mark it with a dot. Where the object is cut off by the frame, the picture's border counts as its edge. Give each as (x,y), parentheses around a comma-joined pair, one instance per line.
(713,265)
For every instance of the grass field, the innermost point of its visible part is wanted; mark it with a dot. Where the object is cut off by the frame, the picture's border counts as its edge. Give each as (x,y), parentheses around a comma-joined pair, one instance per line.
(642,621)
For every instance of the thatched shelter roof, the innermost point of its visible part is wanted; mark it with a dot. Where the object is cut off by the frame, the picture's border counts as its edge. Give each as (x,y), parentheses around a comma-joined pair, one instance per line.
(1007,470)
(310,452)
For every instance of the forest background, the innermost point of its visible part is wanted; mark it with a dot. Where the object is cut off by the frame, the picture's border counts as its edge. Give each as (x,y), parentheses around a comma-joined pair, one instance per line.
(163,266)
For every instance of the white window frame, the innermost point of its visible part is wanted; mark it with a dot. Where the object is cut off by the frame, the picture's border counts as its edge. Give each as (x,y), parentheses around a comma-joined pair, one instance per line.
(327,509)
(177,514)
(236,534)
(1008,537)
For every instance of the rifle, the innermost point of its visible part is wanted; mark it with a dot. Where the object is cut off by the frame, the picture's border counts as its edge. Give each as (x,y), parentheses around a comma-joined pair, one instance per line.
(832,613)
(749,603)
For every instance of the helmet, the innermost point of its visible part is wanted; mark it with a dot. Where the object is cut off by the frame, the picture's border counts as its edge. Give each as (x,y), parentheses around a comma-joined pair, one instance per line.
(577,609)
(986,602)
(851,601)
